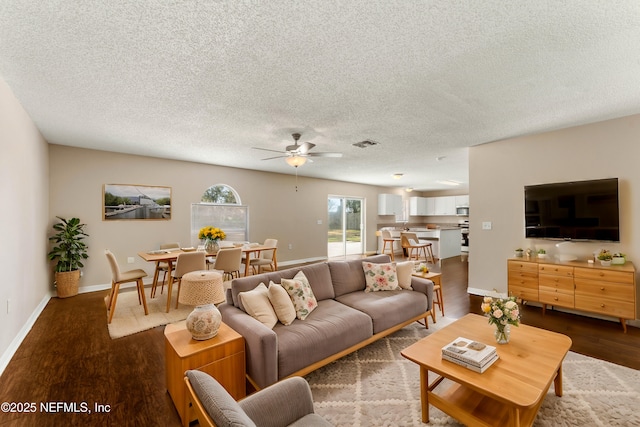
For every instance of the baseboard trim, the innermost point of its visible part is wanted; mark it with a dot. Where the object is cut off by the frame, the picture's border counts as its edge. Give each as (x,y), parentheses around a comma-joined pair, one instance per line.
(22,334)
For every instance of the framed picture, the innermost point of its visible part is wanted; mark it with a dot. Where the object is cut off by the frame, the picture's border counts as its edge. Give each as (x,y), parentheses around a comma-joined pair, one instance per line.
(135,202)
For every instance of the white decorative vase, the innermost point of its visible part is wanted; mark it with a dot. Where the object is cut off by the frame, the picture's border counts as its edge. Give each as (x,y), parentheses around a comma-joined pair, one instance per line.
(204,322)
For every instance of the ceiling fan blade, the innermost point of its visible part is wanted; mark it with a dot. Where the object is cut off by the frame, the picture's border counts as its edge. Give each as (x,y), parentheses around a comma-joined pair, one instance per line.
(305,147)
(266,149)
(321,154)
(276,157)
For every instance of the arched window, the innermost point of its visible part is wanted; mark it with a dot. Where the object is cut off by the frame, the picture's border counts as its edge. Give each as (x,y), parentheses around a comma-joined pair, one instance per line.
(220,206)
(221,194)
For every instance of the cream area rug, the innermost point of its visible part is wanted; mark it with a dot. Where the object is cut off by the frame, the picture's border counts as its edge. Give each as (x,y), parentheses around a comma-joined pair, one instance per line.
(129,317)
(376,386)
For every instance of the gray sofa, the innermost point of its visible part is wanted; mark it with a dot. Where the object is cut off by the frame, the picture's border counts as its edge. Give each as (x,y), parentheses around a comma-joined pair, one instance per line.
(347,318)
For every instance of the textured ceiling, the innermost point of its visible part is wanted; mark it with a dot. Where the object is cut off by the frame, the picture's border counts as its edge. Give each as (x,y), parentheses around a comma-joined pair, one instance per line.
(206,81)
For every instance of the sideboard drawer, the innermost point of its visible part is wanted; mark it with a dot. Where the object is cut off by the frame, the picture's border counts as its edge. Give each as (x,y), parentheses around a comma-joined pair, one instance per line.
(527,294)
(605,275)
(530,268)
(604,290)
(563,283)
(559,270)
(559,299)
(615,308)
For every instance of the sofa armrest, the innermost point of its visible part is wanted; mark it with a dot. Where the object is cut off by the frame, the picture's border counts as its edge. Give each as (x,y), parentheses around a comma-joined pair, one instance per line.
(261,345)
(425,286)
(280,404)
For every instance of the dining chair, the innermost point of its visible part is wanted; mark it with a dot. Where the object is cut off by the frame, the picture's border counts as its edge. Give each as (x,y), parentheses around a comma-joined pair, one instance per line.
(411,243)
(266,259)
(118,278)
(386,238)
(229,260)
(185,263)
(162,267)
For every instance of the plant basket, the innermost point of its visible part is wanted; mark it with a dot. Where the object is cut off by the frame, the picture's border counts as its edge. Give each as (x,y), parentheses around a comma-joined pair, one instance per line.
(67,283)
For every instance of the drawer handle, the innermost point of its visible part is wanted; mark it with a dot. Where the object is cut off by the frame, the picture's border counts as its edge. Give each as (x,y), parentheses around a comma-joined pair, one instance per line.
(555,298)
(602,289)
(602,305)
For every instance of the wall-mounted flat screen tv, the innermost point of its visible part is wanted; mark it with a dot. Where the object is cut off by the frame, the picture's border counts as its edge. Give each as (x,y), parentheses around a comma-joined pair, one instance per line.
(579,210)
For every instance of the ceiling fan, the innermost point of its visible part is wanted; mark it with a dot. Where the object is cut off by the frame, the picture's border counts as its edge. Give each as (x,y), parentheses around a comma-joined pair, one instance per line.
(298,154)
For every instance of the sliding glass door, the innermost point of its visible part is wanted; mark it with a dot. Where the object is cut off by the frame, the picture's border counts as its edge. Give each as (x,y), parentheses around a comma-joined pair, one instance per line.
(346,226)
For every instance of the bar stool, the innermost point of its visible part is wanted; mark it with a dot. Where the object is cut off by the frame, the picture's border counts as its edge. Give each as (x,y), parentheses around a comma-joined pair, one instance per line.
(410,242)
(386,238)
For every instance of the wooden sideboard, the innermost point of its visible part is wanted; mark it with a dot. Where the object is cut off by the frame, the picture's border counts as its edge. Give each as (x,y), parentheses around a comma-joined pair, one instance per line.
(610,291)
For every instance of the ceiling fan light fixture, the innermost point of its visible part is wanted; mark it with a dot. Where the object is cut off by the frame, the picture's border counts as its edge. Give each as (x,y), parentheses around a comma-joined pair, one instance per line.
(296,161)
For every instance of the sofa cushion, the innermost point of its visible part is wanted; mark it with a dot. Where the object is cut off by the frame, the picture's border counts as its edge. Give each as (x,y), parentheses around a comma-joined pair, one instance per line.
(301,294)
(282,304)
(387,309)
(329,329)
(403,271)
(380,277)
(318,275)
(258,306)
(348,276)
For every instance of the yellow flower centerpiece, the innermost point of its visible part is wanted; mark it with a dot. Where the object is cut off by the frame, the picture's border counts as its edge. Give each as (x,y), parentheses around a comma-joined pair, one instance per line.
(210,236)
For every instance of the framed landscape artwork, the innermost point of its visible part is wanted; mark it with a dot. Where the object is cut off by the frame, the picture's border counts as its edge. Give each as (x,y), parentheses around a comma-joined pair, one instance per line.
(135,202)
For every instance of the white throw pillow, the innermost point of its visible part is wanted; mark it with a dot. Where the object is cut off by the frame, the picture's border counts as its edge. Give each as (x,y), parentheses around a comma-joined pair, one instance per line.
(301,294)
(380,277)
(403,271)
(282,304)
(256,303)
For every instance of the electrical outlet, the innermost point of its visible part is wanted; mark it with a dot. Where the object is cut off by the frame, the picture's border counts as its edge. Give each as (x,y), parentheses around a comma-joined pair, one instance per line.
(290,246)
(131,260)
(319,222)
(487,225)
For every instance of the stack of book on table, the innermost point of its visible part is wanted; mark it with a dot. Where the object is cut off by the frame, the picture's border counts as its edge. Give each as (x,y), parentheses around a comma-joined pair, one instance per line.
(470,354)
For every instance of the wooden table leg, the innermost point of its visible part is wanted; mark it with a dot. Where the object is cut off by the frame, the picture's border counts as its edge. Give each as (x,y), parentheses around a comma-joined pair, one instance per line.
(170,286)
(557,382)
(155,280)
(424,393)
(247,263)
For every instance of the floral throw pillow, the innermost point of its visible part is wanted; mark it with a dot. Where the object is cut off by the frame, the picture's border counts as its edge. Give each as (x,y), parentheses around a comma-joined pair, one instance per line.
(380,277)
(301,294)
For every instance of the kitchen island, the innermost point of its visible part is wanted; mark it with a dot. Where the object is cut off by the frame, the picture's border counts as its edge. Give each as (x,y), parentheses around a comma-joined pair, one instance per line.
(445,240)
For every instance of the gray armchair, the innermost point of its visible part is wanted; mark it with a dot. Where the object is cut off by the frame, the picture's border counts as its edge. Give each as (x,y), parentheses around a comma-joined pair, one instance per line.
(285,403)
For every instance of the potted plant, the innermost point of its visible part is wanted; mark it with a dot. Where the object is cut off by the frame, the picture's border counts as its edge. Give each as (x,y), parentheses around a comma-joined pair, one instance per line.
(68,251)
(618,258)
(605,257)
(519,252)
(542,253)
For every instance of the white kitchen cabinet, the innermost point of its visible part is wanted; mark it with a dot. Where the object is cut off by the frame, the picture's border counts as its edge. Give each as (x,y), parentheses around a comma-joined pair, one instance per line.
(421,206)
(445,205)
(389,204)
(462,200)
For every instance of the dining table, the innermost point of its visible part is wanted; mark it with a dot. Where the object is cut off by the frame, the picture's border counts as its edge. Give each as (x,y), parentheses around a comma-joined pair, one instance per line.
(169,256)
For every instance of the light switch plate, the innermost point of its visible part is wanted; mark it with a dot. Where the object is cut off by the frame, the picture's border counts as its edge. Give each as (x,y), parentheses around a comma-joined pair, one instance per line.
(487,225)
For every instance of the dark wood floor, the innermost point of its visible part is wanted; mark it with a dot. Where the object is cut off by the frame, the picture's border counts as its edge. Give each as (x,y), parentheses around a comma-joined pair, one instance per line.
(69,357)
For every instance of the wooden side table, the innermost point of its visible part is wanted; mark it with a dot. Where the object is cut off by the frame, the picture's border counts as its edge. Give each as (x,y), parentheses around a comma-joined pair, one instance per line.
(436,278)
(222,357)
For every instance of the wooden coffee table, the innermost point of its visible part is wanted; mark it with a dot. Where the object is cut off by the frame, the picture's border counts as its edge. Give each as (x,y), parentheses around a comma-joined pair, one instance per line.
(509,393)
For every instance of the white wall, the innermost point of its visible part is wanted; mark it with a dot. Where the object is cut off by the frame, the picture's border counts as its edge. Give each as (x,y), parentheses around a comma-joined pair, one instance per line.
(499,171)
(24,221)
(276,210)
